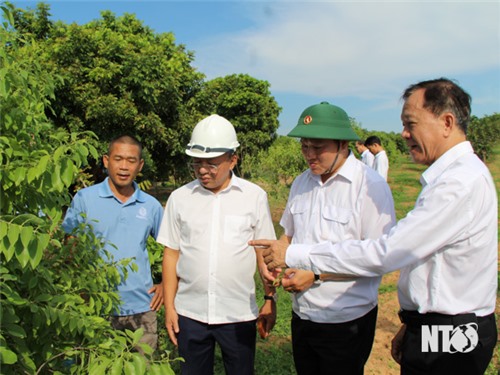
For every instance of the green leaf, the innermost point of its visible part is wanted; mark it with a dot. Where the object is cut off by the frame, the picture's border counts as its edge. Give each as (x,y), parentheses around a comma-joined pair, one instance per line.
(55,178)
(59,152)
(13,233)
(72,325)
(67,170)
(25,219)
(155,369)
(43,297)
(165,369)
(14,330)
(137,335)
(42,164)
(12,296)
(7,356)
(26,235)
(117,367)
(33,282)
(32,174)
(93,152)
(21,254)
(3,229)
(43,241)
(6,247)
(145,348)
(103,366)
(139,363)
(18,175)
(129,368)
(35,250)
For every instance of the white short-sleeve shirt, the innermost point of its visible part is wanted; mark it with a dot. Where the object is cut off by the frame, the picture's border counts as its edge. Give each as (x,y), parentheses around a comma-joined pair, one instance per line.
(216,266)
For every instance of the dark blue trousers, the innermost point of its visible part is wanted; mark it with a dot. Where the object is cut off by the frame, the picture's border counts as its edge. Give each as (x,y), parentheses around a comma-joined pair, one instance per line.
(197,342)
(332,348)
(415,361)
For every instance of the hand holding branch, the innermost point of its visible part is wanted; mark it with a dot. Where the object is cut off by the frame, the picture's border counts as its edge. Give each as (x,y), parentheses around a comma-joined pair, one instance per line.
(296,280)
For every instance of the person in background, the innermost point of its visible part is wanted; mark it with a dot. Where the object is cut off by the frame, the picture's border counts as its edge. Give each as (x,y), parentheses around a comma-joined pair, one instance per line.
(365,154)
(381,162)
(446,248)
(337,198)
(125,217)
(208,266)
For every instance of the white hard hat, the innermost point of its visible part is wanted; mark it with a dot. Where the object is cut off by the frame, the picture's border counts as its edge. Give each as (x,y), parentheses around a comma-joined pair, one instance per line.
(212,137)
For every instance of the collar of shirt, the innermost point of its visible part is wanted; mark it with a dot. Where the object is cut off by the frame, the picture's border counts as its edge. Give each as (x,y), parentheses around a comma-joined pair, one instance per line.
(444,161)
(347,171)
(233,183)
(105,192)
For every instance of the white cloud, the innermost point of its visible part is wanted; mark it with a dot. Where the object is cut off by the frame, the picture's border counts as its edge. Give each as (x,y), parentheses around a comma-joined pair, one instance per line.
(356,49)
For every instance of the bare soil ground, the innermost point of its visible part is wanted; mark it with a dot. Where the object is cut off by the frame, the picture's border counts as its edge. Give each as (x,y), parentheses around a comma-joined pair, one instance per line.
(380,361)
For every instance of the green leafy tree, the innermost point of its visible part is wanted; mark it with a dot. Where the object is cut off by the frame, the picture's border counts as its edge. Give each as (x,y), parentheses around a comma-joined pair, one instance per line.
(118,76)
(281,163)
(35,24)
(55,292)
(484,134)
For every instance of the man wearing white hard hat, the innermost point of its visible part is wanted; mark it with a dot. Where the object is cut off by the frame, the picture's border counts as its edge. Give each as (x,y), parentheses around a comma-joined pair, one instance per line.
(208,266)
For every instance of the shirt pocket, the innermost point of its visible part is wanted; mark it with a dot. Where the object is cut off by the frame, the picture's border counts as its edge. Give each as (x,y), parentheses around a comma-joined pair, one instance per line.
(237,229)
(300,214)
(335,222)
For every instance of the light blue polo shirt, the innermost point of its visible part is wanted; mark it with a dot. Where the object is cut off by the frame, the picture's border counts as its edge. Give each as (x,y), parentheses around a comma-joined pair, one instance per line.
(127,226)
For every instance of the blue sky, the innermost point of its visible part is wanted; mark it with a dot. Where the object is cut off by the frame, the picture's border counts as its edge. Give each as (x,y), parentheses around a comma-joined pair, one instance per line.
(357,55)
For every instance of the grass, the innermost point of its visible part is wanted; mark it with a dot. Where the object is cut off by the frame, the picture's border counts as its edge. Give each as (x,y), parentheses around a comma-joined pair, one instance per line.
(274,355)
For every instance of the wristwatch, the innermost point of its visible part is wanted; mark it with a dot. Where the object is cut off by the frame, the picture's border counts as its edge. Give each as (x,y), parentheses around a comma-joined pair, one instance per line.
(317,279)
(274,297)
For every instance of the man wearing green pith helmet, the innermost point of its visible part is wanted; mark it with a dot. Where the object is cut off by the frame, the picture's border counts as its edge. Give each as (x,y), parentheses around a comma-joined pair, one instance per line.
(337,198)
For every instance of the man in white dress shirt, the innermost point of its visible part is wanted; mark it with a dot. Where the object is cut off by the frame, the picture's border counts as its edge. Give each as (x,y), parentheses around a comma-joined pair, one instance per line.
(365,154)
(208,266)
(380,162)
(337,198)
(446,247)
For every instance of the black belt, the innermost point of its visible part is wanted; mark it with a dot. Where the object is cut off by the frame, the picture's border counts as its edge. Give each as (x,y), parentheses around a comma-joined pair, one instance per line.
(416,319)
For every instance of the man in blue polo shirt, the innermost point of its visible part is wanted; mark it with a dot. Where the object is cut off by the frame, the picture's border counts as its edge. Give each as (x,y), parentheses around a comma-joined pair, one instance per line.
(123,215)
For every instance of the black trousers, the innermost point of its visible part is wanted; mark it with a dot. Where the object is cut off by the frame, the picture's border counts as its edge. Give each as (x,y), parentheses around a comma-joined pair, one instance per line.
(332,348)
(459,348)
(197,342)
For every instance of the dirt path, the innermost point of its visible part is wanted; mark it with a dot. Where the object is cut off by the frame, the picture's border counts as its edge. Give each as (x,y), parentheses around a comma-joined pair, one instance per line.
(380,361)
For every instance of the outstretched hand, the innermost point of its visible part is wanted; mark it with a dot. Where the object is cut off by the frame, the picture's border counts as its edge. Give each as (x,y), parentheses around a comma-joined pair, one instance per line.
(273,252)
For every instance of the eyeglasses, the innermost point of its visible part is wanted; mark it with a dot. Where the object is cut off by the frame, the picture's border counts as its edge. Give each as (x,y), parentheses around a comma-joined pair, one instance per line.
(196,166)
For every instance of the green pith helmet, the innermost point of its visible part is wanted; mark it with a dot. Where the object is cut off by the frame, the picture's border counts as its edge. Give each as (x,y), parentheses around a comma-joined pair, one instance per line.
(324,121)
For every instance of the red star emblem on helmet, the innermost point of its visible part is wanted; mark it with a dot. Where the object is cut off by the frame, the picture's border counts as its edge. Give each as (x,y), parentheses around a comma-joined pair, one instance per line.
(307,120)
